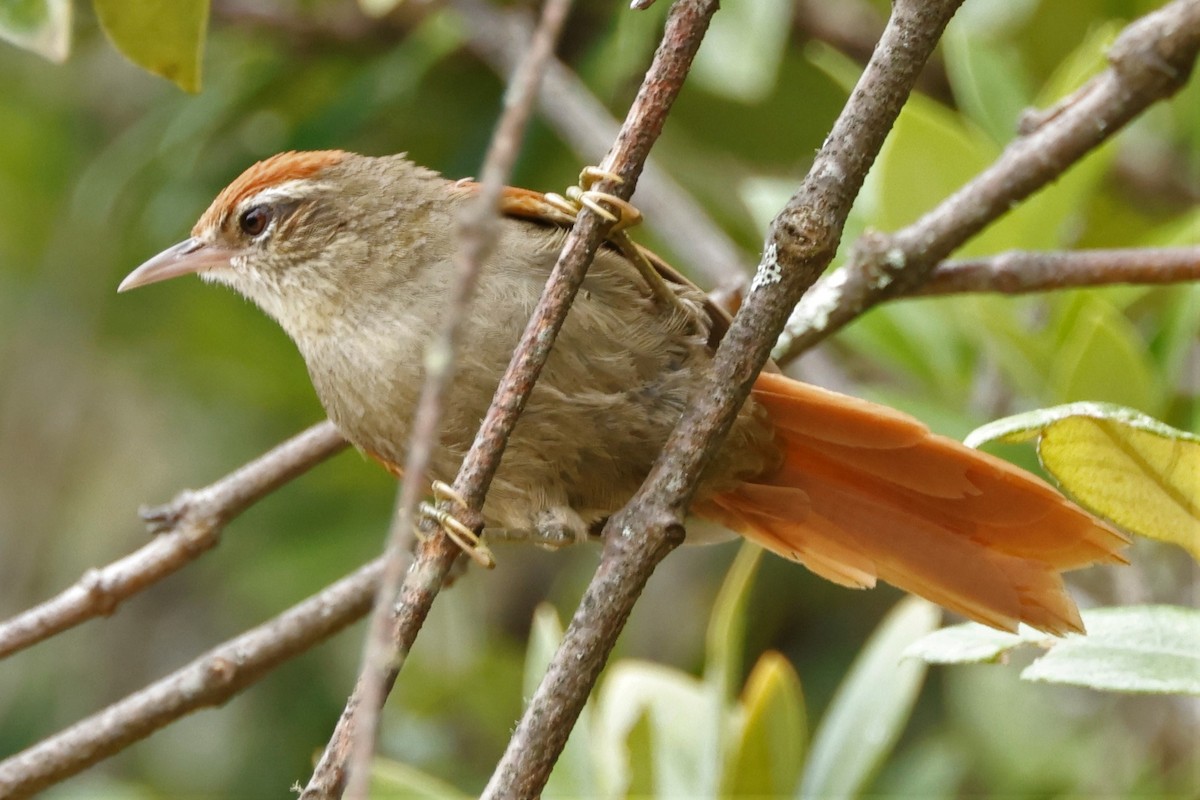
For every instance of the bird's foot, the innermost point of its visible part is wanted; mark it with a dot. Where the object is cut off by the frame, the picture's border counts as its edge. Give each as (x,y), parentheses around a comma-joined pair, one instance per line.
(459,533)
(620,215)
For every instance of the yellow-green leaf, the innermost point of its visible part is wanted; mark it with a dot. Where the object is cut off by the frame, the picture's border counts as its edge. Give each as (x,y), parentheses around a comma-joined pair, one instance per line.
(165,37)
(1100,345)
(1119,464)
(767,756)
(727,625)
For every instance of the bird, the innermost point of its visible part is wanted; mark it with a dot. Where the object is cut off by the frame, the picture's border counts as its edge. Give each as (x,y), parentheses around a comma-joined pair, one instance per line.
(353,255)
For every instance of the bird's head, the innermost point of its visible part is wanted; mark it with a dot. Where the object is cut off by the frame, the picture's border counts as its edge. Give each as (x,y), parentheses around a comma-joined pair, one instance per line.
(300,231)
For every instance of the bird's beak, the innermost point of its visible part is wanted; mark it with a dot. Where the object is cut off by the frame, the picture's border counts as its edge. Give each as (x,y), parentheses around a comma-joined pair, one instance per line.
(189,256)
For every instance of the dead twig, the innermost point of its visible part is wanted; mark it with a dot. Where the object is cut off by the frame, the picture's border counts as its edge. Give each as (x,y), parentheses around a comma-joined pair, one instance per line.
(185,528)
(209,680)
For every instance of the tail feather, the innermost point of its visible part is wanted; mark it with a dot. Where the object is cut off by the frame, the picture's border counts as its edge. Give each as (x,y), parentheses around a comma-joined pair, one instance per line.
(867,492)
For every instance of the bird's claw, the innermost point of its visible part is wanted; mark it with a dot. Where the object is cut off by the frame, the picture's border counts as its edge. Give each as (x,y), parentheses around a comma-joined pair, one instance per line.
(620,214)
(459,533)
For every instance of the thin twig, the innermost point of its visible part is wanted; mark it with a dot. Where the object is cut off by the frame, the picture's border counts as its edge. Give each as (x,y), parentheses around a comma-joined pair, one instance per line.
(383,653)
(209,680)
(803,240)
(186,527)
(1149,61)
(1023,272)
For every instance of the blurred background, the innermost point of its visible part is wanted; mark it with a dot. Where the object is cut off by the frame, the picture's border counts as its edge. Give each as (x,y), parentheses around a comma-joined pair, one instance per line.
(108,402)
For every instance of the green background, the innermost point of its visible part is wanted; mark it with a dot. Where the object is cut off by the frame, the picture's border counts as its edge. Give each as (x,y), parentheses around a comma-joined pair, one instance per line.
(108,402)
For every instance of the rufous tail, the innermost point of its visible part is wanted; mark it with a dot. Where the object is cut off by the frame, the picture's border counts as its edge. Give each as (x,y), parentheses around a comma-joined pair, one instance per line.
(867,492)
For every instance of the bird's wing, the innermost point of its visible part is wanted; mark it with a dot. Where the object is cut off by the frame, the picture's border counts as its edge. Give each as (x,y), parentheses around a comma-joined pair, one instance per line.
(533,206)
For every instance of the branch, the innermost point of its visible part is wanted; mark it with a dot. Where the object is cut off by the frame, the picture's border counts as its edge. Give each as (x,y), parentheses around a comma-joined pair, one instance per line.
(348,754)
(186,527)
(1150,61)
(1023,272)
(803,240)
(210,680)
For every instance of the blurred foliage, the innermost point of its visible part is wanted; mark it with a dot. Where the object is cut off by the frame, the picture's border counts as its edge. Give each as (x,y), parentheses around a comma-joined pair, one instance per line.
(107,402)
(655,731)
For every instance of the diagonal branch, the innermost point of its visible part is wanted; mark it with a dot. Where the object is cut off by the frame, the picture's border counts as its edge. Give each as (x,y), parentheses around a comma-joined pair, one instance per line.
(209,680)
(803,239)
(1149,61)
(186,527)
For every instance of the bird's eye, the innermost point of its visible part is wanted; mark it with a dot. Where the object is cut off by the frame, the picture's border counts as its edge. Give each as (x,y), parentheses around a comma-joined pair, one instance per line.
(253,221)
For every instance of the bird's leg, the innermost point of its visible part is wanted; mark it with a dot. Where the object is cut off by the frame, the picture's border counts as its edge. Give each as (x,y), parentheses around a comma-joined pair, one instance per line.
(545,539)
(551,528)
(458,532)
(621,215)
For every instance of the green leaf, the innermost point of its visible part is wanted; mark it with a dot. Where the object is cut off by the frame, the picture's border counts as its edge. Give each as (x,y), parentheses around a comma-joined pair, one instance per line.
(929,154)
(988,79)
(870,707)
(999,326)
(545,635)
(766,758)
(43,26)
(392,779)
(1120,464)
(726,632)
(724,642)
(165,37)
(1142,650)
(970,643)
(839,67)
(680,719)
(1087,60)
(1102,343)
(641,748)
(743,49)
(911,337)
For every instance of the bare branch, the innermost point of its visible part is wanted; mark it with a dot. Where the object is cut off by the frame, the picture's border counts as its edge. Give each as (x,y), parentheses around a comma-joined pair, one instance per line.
(383,652)
(1022,272)
(803,240)
(210,680)
(1150,61)
(186,527)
